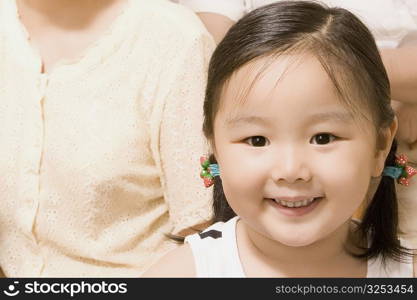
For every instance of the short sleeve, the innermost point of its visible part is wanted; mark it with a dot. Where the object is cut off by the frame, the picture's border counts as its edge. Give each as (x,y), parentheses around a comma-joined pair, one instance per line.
(181,138)
(233,9)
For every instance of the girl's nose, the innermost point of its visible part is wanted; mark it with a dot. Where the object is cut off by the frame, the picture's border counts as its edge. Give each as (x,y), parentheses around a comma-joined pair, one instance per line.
(291,165)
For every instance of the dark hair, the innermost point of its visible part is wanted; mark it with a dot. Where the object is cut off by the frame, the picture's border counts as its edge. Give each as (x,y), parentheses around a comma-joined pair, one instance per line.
(347,51)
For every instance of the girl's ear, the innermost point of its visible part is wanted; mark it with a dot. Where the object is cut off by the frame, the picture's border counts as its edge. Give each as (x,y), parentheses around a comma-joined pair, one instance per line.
(384,147)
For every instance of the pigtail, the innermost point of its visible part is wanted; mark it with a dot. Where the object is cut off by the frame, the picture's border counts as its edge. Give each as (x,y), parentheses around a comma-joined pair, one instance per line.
(222,211)
(380,221)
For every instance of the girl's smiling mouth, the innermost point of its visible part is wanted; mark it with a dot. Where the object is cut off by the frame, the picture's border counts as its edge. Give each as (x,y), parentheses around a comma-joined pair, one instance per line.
(295,206)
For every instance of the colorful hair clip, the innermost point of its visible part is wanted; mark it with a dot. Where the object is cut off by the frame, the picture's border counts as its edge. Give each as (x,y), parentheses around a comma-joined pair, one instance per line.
(401,171)
(209,171)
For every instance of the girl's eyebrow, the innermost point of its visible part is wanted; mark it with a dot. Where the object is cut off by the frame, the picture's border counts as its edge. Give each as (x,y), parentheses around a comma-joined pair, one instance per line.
(241,120)
(338,116)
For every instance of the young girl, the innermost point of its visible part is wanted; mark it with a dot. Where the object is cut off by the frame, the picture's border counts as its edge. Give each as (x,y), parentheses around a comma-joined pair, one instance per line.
(394,26)
(298,114)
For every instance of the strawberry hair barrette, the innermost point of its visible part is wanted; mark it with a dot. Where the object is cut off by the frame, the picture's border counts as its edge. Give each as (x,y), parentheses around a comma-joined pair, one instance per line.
(209,171)
(401,171)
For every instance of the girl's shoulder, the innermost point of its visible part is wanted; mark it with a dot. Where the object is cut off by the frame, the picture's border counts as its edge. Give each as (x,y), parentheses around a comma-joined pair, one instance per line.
(212,251)
(176,263)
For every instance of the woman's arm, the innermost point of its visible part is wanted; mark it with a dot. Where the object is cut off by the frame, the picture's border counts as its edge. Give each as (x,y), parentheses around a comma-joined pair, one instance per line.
(400,64)
(216,24)
(180,140)
(217,15)
(407,123)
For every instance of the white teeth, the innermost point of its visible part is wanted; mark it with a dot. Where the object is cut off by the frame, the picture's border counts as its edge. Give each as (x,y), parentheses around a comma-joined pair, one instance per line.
(294,204)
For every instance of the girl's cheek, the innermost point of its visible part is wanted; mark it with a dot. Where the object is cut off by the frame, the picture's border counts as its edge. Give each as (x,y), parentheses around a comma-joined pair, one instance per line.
(242,174)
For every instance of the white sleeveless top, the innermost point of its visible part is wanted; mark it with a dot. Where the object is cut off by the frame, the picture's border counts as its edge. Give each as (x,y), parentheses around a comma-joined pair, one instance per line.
(216,254)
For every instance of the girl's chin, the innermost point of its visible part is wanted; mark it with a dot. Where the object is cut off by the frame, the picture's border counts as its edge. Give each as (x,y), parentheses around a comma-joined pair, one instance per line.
(304,236)
(295,242)
(297,238)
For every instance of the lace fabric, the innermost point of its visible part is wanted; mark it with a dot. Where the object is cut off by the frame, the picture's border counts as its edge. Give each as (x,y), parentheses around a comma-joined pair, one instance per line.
(100,158)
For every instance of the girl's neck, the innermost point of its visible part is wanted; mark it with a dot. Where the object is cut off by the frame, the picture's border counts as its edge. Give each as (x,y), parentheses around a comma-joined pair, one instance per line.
(263,257)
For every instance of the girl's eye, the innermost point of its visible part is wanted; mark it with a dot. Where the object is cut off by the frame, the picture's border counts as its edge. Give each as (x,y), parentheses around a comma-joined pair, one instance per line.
(322,139)
(257,141)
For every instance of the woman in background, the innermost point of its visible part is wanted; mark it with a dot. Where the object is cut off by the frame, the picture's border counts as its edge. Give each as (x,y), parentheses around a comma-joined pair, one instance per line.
(100,127)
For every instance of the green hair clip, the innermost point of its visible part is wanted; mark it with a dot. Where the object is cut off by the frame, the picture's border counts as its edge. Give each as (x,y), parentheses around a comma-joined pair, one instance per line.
(209,171)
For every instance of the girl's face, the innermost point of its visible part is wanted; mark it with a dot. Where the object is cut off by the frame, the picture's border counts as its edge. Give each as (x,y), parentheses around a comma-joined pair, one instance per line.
(295,163)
